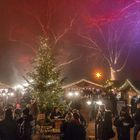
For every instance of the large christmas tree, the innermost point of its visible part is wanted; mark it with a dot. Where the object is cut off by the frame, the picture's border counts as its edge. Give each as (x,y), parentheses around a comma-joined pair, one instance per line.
(46,84)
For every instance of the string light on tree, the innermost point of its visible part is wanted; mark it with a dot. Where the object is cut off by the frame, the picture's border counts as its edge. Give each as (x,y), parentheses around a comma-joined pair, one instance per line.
(46,85)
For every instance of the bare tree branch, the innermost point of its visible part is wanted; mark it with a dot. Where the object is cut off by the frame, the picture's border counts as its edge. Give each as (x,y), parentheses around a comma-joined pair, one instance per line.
(11,39)
(90,40)
(66,30)
(125,61)
(38,20)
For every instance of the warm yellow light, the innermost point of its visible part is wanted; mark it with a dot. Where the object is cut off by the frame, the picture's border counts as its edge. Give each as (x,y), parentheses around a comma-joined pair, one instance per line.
(98,75)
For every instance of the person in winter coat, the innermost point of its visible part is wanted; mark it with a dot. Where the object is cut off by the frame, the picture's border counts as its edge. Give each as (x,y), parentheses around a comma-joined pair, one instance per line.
(123,123)
(9,127)
(74,130)
(137,121)
(26,125)
(55,114)
(134,104)
(104,124)
(68,120)
(82,119)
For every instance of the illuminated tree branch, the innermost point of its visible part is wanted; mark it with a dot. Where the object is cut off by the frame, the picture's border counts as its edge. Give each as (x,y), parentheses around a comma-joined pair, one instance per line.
(111,50)
(46,28)
(90,40)
(67,63)
(12,39)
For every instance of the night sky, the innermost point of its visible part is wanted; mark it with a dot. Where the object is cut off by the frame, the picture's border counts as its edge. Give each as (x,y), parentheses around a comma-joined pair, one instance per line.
(20,28)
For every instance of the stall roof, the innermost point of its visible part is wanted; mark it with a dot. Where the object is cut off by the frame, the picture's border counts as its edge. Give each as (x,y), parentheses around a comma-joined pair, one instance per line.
(81,81)
(134,85)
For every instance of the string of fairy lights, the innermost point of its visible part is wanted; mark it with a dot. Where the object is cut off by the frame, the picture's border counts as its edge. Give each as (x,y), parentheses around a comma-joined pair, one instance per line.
(76,94)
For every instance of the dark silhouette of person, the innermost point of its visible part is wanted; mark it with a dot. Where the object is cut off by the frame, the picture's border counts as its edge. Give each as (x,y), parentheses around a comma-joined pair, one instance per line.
(133,104)
(9,127)
(63,128)
(26,126)
(104,124)
(123,123)
(82,119)
(74,130)
(113,104)
(55,114)
(137,121)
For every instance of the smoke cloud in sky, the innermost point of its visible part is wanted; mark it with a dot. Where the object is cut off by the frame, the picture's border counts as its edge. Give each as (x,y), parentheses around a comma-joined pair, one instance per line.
(22,22)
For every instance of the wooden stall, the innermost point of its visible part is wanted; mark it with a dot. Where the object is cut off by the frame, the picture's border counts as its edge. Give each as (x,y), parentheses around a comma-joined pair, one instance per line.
(80,91)
(130,89)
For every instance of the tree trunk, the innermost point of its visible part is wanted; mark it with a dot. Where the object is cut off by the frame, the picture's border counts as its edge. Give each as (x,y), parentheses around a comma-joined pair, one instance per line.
(113,74)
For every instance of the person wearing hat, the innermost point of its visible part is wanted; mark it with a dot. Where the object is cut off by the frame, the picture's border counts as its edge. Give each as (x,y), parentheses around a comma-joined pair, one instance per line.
(8,127)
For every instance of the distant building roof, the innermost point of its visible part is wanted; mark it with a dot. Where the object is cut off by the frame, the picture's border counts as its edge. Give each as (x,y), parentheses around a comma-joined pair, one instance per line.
(80,82)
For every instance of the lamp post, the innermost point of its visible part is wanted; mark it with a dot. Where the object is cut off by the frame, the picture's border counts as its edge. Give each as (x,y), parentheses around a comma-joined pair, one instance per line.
(98,75)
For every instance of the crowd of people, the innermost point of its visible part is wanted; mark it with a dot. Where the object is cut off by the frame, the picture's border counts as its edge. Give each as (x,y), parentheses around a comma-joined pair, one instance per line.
(123,122)
(20,124)
(15,126)
(73,127)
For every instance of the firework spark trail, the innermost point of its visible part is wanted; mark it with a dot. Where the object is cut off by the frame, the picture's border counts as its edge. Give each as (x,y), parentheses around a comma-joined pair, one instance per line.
(105,19)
